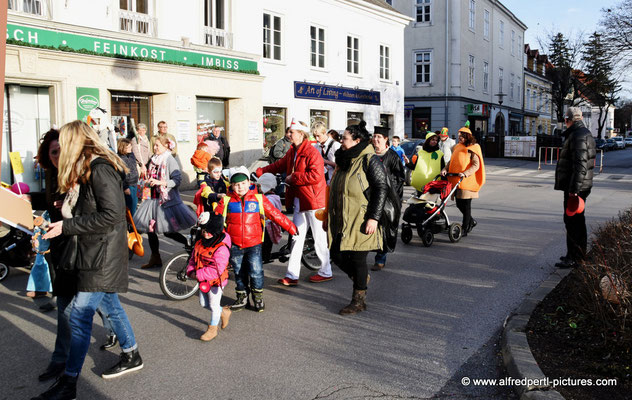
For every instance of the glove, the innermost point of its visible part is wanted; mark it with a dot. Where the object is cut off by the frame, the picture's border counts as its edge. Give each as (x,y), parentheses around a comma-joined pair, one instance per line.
(206,191)
(259,172)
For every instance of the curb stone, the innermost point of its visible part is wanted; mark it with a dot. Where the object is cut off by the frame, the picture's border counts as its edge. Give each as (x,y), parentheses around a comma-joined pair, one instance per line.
(517,356)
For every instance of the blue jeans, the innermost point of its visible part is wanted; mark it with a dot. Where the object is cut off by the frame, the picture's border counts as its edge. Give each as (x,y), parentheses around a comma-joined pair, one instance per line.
(131,200)
(62,341)
(247,264)
(84,306)
(380,258)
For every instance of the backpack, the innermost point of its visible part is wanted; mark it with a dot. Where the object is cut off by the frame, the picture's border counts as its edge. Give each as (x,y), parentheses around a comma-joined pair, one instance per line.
(389,221)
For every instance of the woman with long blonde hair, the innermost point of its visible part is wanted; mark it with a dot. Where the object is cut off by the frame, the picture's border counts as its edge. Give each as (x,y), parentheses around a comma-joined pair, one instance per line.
(92,176)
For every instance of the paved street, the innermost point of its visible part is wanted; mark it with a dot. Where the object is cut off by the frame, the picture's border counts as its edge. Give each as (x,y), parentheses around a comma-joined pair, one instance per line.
(434,313)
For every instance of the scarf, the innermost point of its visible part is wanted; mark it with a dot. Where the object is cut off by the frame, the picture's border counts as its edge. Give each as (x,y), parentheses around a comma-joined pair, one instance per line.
(158,170)
(431,149)
(344,157)
(213,241)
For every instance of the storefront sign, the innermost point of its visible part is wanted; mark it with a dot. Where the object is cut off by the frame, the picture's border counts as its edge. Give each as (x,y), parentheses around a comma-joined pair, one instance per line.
(87,100)
(46,37)
(303,90)
(477,109)
(520,146)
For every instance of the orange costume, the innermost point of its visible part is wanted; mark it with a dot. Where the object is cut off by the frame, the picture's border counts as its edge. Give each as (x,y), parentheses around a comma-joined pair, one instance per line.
(461,161)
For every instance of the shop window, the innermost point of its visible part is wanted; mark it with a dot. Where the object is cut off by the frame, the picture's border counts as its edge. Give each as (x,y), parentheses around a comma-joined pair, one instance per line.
(210,113)
(319,116)
(130,109)
(27,119)
(354,118)
(386,120)
(274,123)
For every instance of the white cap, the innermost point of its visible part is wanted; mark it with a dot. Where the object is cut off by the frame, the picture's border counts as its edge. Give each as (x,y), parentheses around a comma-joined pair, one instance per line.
(238,170)
(297,126)
(267,182)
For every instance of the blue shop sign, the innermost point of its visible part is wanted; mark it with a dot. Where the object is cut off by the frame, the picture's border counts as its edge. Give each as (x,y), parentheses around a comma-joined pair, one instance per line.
(303,90)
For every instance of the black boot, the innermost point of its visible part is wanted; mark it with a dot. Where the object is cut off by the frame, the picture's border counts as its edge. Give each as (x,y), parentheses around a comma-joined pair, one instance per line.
(257,299)
(65,388)
(357,303)
(130,361)
(111,341)
(242,300)
(52,371)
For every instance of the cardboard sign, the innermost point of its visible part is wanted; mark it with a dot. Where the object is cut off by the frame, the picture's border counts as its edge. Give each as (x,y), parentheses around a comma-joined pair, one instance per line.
(16,211)
(16,163)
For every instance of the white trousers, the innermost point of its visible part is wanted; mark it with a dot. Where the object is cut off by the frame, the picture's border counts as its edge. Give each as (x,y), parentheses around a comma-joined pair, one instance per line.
(211,301)
(303,221)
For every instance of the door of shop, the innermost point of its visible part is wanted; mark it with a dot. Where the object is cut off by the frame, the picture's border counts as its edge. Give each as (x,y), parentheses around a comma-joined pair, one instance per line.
(129,108)
(26,120)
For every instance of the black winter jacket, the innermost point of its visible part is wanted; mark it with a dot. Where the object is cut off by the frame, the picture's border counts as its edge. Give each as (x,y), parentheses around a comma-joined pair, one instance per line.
(388,197)
(574,171)
(99,222)
(394,170)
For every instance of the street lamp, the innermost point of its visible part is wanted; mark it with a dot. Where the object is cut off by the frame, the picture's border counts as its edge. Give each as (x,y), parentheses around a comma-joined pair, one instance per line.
(500,96)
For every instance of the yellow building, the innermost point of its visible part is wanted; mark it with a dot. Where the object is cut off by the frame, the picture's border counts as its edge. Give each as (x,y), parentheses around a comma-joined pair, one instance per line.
(537,104)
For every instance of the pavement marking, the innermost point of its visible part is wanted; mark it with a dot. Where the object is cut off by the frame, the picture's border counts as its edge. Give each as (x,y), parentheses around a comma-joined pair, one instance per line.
(521,173)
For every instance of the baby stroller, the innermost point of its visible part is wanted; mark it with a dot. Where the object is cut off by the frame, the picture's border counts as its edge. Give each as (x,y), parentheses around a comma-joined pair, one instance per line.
(426,213)
(15,250)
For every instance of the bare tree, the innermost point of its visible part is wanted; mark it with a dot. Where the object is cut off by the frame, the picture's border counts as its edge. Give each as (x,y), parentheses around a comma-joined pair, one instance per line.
(616,24)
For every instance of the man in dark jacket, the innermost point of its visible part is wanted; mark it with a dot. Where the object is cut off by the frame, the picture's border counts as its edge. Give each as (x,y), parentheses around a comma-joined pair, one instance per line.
(574,176)
(394,171)
(224,149)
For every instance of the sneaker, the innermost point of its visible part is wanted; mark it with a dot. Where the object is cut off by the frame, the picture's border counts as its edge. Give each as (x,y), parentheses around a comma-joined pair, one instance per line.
(566,264)
(319,278)
(288,282)
(111,341)
(52,371)
(130,361)
(240,302)
(65,388)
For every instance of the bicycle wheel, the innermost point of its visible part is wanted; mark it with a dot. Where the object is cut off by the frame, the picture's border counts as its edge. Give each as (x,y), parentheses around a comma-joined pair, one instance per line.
(4,271)
(174,282)
(310,259)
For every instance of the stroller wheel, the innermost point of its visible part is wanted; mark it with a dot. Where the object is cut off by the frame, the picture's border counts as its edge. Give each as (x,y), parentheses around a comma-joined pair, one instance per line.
(407,234)
(455,232)
(4,271)
(427,237)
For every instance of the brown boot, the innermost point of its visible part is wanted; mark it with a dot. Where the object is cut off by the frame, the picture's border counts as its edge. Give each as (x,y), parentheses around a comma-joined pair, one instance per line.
(154,261)
(377,267)
(225,316)
(357,303)
(210,333)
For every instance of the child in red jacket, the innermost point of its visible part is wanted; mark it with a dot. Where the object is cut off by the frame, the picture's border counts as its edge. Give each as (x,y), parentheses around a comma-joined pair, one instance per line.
(209,262)
(245,212)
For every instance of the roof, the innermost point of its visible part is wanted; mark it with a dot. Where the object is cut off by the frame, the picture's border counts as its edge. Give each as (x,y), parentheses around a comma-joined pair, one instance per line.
(381,3)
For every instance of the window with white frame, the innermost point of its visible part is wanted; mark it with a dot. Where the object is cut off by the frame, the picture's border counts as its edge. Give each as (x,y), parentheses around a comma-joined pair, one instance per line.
(501,36)
(385,62)
(134,17)
(472,19)
(485,77)
(540,104)
(471,73)
(519,45)
(423,67)
(528,98)
(34,7)
(518,93)
(486,24)
(353,55)
(500,80)
(271,36)
(423,11)
(513,42)
(511,87)
(317,49)
(214,14)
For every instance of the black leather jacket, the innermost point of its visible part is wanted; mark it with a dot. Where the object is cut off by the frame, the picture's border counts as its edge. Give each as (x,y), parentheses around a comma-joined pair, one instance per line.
(394,170)
(385,196)
(99,222)
(574,171)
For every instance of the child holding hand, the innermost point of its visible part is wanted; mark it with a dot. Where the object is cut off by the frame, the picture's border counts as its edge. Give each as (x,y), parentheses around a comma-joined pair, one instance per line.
(209,263)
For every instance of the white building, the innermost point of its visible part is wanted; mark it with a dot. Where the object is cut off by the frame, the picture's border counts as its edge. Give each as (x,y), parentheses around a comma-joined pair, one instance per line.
(334,61)
(240,65)
(463,61)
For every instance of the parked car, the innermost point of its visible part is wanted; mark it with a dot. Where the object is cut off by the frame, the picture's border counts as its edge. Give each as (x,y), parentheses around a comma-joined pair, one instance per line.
(411,148)
(628,141)
(601,144)
(610,144)
(619,142)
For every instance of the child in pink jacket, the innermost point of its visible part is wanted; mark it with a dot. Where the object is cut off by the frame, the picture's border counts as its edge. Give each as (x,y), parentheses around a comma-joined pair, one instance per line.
(209,263)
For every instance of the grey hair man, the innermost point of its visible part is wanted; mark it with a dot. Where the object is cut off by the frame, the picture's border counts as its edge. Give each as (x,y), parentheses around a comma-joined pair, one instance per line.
(574,176)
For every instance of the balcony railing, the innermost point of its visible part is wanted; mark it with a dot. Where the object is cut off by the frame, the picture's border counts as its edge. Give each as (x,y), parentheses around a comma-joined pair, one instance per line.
(218,37)
(33,7)
(134,22)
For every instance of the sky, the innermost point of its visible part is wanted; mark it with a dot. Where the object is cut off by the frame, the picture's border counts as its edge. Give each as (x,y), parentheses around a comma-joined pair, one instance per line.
(570,17)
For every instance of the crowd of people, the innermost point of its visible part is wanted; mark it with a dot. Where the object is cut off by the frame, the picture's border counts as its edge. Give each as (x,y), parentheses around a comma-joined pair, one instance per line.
(89,186)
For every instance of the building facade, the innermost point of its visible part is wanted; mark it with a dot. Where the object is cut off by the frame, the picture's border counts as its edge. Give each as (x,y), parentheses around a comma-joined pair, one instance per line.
(338,62)
(537,102)
(463,62)
(142,61)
